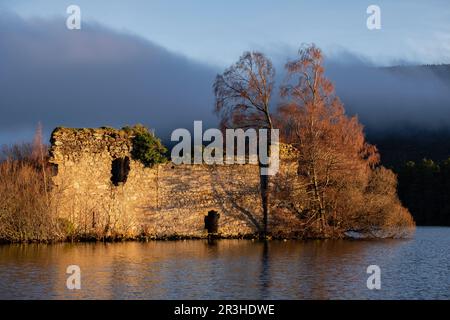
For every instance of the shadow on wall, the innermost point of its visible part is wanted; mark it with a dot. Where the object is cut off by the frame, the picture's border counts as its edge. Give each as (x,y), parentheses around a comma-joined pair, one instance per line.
(239,211)
(184,194)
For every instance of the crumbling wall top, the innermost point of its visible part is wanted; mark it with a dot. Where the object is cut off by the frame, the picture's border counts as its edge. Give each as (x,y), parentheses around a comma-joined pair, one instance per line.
(73,142)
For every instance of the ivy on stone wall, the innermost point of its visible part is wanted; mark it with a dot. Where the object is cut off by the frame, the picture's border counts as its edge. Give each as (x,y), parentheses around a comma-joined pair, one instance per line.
(147,148)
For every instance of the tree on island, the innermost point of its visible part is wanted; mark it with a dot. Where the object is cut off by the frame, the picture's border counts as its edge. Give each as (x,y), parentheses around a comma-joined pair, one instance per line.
(243,95)
(339,185)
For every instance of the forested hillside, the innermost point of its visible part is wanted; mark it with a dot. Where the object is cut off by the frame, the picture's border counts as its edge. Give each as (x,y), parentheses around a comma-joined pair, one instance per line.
(420,155)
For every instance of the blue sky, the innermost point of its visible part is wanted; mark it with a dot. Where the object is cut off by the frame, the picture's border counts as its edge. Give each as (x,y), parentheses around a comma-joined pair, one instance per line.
(216,32)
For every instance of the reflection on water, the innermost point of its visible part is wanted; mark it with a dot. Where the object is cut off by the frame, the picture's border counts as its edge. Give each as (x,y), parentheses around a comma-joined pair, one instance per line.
(232,269)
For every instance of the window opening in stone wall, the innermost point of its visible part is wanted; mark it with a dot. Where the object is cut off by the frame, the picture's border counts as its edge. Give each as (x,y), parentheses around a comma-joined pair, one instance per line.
(119,170)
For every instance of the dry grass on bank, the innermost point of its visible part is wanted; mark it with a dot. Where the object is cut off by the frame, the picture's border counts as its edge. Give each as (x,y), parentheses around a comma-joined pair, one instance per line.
(25,213)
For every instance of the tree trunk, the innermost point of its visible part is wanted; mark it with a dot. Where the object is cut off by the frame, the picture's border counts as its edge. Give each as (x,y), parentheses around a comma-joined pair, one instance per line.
(318,200)
(264,180)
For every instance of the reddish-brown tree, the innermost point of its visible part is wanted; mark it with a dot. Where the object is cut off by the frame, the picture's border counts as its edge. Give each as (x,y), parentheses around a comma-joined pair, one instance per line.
(335,163)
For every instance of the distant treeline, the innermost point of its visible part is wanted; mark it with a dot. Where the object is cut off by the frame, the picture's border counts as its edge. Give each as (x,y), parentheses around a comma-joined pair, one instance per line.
(411,143)
(423,184)
(424,188)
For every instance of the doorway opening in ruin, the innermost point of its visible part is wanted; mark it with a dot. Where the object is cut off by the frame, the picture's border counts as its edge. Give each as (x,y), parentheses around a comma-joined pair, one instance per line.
(119,170)
(212,221)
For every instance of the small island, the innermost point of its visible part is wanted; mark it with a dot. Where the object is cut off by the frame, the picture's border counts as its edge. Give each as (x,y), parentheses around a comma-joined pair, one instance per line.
(108,184)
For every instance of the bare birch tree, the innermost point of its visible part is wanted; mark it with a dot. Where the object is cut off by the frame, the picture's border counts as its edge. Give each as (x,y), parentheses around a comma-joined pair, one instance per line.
(243,96)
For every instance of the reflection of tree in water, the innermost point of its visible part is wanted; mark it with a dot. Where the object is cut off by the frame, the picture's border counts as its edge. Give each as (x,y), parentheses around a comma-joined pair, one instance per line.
(264,276)
(325,269)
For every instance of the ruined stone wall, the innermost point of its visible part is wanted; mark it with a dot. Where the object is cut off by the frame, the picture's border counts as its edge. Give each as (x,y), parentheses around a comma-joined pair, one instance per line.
(163,201)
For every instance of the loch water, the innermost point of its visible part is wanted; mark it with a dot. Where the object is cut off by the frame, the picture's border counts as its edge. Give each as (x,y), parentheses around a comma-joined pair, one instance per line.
(417,268)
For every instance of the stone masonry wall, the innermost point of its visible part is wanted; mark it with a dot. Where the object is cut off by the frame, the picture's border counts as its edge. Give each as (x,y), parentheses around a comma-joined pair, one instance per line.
(163,201)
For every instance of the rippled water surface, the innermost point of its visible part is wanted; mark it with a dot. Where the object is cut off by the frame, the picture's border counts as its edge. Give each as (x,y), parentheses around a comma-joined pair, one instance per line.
(232,269)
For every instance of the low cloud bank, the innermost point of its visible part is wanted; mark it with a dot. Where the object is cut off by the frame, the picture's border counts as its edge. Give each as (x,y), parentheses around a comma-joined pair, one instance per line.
(94,77)
(101,77)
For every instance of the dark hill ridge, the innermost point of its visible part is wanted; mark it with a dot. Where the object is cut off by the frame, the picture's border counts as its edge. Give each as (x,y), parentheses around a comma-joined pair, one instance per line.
(419,155)
(440,70)
(407,139)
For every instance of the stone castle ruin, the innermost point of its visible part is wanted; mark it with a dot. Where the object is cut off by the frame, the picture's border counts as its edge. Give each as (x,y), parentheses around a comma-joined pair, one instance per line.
(99,188)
